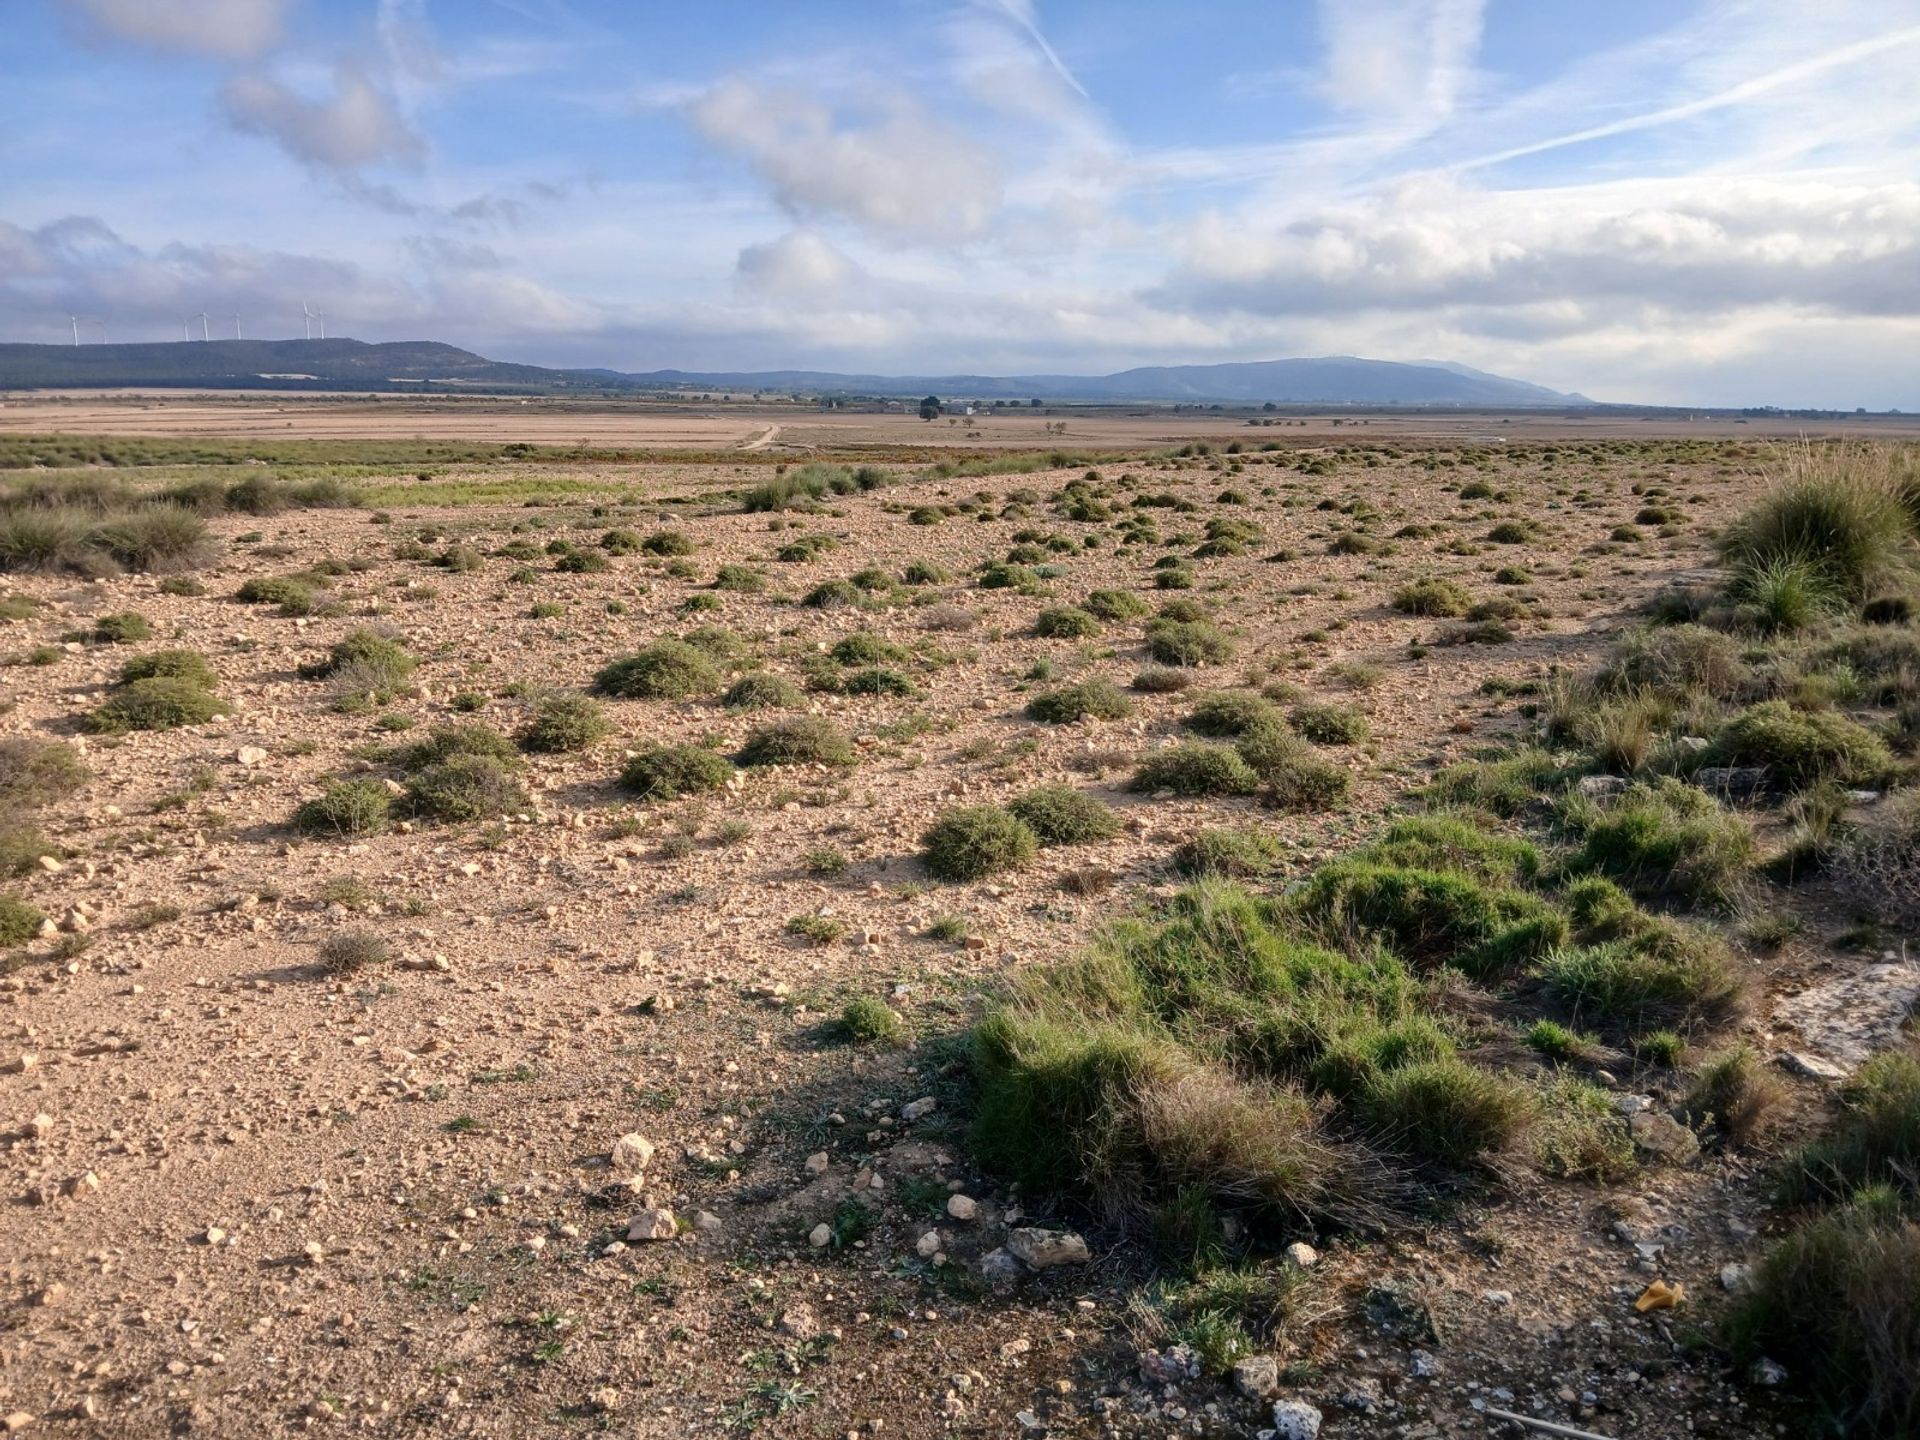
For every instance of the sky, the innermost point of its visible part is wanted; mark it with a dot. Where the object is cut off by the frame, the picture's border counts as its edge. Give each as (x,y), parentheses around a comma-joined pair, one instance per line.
(1711,202)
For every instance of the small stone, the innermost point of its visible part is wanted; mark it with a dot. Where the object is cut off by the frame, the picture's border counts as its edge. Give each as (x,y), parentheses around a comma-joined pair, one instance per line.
(927,1245)
(820,1235)
(817,1163)
(962,1207)
(250,755)
(1767,1372)
(53,1294)
(1810,1067)
(1301,1255)
(918,1109)
(631,1156)
(1736,1279)
(1596,787)
(798,1320)
(1040,1249)
(1660,1134)
(40,1126)
(213,1235)
(1295,1420)
(654,1223)
(1256,1376)
(1497,1297)
(16,1421)
(707,1223)
(999,1268)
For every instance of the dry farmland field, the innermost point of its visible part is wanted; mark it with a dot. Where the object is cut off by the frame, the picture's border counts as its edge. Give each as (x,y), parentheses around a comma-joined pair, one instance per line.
(813,933)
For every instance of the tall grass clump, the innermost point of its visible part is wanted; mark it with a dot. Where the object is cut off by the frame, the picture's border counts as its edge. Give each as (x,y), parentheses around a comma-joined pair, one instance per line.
(1836,514)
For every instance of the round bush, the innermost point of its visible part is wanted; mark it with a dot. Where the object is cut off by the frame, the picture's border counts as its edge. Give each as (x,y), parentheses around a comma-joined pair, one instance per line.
(1229,713)
(444,742)
(121,627)
(833,595)
(1065,622)
(1116,605)
(1328,724)
(347,807)
(188,665)
(1062,815)
(162,702)
(665,670)
(878,680)
(667,542)
(583,562)
(37,772)
(761,690)
(1435,598)
(663,772)
(561,723)
(1235,854)
(19,921)
(863,648)
(1101,699)
(1188,643)
(1196,767)
(804,740)
(466,787)
(975,841)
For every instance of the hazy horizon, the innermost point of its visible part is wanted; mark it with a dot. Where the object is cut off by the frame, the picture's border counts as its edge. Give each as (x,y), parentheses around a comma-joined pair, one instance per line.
(1712,202)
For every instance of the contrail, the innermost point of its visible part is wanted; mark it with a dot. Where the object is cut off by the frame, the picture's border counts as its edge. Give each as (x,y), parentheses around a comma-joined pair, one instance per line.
(1020,12)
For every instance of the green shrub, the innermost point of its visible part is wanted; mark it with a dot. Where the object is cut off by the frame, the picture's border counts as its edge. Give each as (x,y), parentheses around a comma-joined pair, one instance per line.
(121,628)
(1188,643)
(1677,663)
(864,1020)
(1664,839)
(1241,852)
(972,842)
(803,740)
(924,572)
(583,562)
(761,690)
(1839,1297)
(742,579)
(1662,978)
(1062,815)
(864,648)
(1736,1093)
(1002,575)
(1196,767)
(1875,1141)
(371,660)
(878,680)
(1579,1134)
(665,670)
(563,723)
(37,772)
(1803,747)
(465,787)
(1446,1111)
(347,951)
(445,742)
(1328,724)
(1115,605)
(461,559)
(1836,514)
(1783,595)
(1512,532)
(1101,699)
(620,542)
(346,808)
(162,702)
(668,542)
(833,595)
(665,772)
(1432,917)
(1065,622)
(19,921)
(1503,787)
(294,594)
(1436,598)
(1161,679)
(1225,714)
(1293,777)
(189,665)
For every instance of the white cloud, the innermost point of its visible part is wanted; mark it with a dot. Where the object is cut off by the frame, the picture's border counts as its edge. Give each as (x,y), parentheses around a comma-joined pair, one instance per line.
(1403,64)
(354,126)
(799,264)
(222,29)
(895,172)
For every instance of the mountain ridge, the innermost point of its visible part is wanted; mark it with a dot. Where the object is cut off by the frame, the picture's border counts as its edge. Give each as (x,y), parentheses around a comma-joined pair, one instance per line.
(431,365)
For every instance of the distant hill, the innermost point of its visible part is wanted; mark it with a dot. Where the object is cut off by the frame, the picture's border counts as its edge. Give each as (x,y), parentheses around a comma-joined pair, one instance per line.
(426,365)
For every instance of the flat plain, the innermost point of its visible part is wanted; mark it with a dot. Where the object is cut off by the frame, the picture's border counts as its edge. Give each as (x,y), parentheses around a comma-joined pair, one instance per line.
(342,989)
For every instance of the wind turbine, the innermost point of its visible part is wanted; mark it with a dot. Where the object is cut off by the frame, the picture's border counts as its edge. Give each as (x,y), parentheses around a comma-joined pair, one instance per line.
(203,326)
(186,332)
(323,323)
(308,316)
(236,327)
(76,328)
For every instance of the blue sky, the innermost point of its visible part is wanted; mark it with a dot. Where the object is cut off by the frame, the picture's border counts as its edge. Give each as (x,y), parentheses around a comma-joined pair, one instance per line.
(1688,201)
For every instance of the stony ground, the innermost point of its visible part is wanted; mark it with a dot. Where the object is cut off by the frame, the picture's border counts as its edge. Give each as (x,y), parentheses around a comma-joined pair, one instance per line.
(247,1199)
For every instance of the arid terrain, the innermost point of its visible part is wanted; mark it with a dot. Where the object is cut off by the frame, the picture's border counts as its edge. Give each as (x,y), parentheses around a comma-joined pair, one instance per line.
(317,1123)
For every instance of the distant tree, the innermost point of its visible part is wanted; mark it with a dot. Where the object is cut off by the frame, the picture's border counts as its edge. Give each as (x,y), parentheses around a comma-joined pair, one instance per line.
(930,408)
(1034,402)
